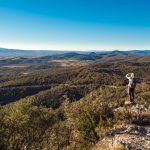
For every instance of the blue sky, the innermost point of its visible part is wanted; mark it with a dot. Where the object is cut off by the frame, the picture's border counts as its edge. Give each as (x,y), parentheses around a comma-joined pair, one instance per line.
(75,24)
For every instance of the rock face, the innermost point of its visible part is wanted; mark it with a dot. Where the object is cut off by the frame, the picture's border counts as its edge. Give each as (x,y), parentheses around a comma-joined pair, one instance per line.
(132,138)
(128,136)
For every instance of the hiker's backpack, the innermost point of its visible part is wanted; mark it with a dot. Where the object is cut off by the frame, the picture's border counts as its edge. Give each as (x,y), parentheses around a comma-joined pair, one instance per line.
(132,83)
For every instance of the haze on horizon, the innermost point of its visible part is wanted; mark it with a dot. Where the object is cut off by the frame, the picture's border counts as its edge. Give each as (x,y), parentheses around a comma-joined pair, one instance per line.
(75,25)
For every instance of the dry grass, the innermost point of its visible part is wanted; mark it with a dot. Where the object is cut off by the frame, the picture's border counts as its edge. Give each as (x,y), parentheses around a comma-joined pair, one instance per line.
(67,63)
(119,147)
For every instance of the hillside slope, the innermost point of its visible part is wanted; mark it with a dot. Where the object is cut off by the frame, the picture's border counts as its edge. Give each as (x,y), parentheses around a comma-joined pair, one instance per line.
(74,108)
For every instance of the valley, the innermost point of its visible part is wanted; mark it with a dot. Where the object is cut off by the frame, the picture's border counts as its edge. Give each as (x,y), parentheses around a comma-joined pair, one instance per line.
(70,101)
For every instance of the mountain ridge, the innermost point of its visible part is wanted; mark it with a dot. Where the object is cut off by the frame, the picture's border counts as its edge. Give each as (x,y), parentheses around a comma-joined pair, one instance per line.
(7,53)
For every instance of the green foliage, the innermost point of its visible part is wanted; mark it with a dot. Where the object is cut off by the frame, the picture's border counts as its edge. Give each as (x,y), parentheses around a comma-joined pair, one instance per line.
(67,108)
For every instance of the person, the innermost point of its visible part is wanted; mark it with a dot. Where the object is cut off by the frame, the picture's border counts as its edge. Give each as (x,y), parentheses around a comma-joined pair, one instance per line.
(131,86)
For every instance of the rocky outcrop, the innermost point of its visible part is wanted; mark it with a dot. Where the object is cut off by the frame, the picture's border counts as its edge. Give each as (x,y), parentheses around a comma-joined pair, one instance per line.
(132,138)
(129,136)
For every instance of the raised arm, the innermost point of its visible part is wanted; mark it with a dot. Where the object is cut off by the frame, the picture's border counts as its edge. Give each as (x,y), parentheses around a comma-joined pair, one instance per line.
(128,76)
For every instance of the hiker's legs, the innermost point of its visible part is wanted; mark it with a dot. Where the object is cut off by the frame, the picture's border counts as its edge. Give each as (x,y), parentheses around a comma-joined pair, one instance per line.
(132,92)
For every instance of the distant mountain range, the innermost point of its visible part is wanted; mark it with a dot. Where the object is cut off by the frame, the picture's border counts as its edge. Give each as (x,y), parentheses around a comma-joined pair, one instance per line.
(8,53)
(48,57)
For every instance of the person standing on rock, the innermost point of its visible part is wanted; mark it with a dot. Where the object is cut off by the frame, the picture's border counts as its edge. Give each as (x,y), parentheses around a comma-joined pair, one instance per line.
(131,86)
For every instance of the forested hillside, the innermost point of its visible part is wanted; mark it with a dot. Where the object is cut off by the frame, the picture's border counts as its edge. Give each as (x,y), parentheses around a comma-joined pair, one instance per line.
(69,107)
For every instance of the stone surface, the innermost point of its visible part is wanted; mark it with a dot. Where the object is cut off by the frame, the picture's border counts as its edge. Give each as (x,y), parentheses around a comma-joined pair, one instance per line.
(133,138)
(130,137)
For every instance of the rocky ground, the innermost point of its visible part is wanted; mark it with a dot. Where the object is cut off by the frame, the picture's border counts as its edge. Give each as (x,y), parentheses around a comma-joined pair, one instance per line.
(128,136)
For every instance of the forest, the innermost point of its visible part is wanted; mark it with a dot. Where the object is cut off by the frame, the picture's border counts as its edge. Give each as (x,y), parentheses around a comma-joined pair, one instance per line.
(58,107)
